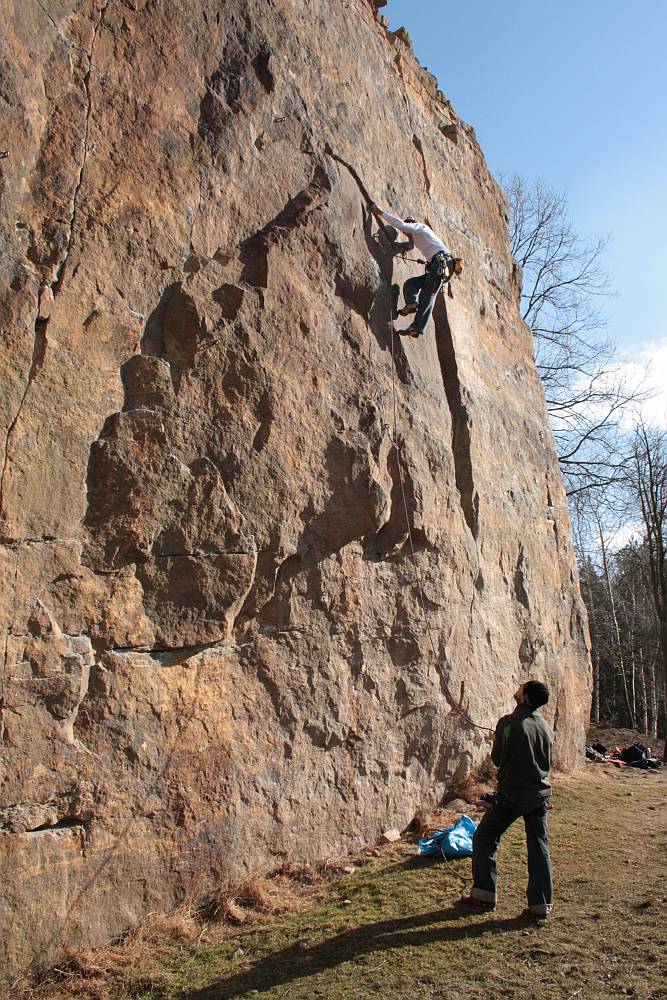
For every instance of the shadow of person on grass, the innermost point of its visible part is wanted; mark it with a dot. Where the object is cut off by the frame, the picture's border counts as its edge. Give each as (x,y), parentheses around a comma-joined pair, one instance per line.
(294,962)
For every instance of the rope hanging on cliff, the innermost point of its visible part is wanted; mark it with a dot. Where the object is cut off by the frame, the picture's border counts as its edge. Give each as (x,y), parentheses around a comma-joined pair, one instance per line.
(453,703)
(420,588)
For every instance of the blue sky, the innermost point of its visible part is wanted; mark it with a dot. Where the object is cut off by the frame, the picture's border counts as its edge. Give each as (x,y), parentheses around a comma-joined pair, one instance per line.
(574,93)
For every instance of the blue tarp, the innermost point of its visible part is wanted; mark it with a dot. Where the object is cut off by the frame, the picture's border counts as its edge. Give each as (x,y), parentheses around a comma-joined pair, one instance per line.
(452,842)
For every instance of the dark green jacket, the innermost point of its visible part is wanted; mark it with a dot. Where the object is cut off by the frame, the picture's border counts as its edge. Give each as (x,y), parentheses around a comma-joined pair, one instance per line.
(522,753)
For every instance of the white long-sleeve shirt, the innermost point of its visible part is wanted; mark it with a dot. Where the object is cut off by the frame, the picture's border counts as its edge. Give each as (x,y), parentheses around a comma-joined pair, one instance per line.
(425,240)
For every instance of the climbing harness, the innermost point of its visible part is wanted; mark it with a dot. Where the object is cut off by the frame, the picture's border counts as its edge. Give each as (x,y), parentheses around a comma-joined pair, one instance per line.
(446,266)
(440,263)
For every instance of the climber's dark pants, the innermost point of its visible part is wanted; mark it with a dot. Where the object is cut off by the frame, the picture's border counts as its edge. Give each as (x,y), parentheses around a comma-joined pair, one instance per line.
(424,288)
(500,816)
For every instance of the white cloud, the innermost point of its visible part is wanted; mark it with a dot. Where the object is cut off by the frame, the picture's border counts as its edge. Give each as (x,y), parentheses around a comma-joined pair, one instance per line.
(646,366)
(641,369)
(631,532)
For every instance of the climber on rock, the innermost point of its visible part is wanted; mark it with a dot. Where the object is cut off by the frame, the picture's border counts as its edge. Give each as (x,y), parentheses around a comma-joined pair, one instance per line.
(420,292)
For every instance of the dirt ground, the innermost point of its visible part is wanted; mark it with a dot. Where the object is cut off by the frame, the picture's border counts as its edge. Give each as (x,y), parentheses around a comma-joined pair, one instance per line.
(385,924)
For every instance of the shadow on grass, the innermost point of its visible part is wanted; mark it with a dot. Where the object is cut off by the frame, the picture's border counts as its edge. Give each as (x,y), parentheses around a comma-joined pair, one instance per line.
(292,963)
(417,862)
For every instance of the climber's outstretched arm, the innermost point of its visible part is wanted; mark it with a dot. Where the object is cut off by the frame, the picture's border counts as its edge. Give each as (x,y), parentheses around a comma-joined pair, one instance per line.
(409,228)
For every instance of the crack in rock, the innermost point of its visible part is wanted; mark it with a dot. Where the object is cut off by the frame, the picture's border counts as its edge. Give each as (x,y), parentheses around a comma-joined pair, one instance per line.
(171,656)
(417,143)
(461,443)
(60,273)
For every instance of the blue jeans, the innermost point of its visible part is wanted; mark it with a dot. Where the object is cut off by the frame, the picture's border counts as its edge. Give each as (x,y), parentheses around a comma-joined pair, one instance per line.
(500,816)
(422,290)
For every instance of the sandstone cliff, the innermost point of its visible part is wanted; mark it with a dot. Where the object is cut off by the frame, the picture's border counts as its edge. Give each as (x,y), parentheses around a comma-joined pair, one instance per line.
(214,654)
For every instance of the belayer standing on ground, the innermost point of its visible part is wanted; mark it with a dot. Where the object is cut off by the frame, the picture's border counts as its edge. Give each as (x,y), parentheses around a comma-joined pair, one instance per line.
(420,292)
(522,753)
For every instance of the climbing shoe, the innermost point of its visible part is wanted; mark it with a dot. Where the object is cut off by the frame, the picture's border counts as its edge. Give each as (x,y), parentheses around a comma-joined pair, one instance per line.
(407,311)
(412,331)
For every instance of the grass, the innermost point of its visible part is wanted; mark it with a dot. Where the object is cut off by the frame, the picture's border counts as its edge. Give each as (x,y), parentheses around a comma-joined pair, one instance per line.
(391,929)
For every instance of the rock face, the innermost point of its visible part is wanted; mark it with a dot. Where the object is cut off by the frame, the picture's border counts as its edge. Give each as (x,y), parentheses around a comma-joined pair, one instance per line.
(214,651)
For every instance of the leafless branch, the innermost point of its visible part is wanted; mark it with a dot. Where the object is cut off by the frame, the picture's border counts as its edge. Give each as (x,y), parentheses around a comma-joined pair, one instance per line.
(587,391)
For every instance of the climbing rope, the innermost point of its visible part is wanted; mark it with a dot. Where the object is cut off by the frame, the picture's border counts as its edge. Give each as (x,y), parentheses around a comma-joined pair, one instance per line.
(454,704)
(420,587)
(464,878)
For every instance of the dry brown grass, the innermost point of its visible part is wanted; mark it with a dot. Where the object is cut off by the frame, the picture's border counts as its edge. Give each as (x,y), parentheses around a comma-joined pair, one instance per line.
(479,779)
(157,928)
(100,973)
(461,796)
(303,874)
(89,974)
(259,897)
(96,974)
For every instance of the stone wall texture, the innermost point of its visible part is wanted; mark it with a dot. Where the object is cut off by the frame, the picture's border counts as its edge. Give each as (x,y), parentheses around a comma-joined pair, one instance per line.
(214,655)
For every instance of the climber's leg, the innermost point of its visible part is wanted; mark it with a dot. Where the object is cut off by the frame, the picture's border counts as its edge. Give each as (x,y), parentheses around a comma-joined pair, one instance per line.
(411,290)
(430,288)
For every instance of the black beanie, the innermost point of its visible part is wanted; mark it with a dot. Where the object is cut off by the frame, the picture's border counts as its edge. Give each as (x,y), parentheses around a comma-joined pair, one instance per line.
(536,693)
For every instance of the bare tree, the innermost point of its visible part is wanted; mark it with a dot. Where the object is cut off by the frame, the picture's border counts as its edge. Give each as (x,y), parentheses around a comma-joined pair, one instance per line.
(585,385)
(634,588)
(616,588)
(582,526)
(628,689)
(649,481)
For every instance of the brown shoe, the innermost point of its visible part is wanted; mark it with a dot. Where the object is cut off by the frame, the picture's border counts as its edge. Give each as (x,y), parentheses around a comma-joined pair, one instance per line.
(528,914)
(412,331)
(476,904)
(407,311)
